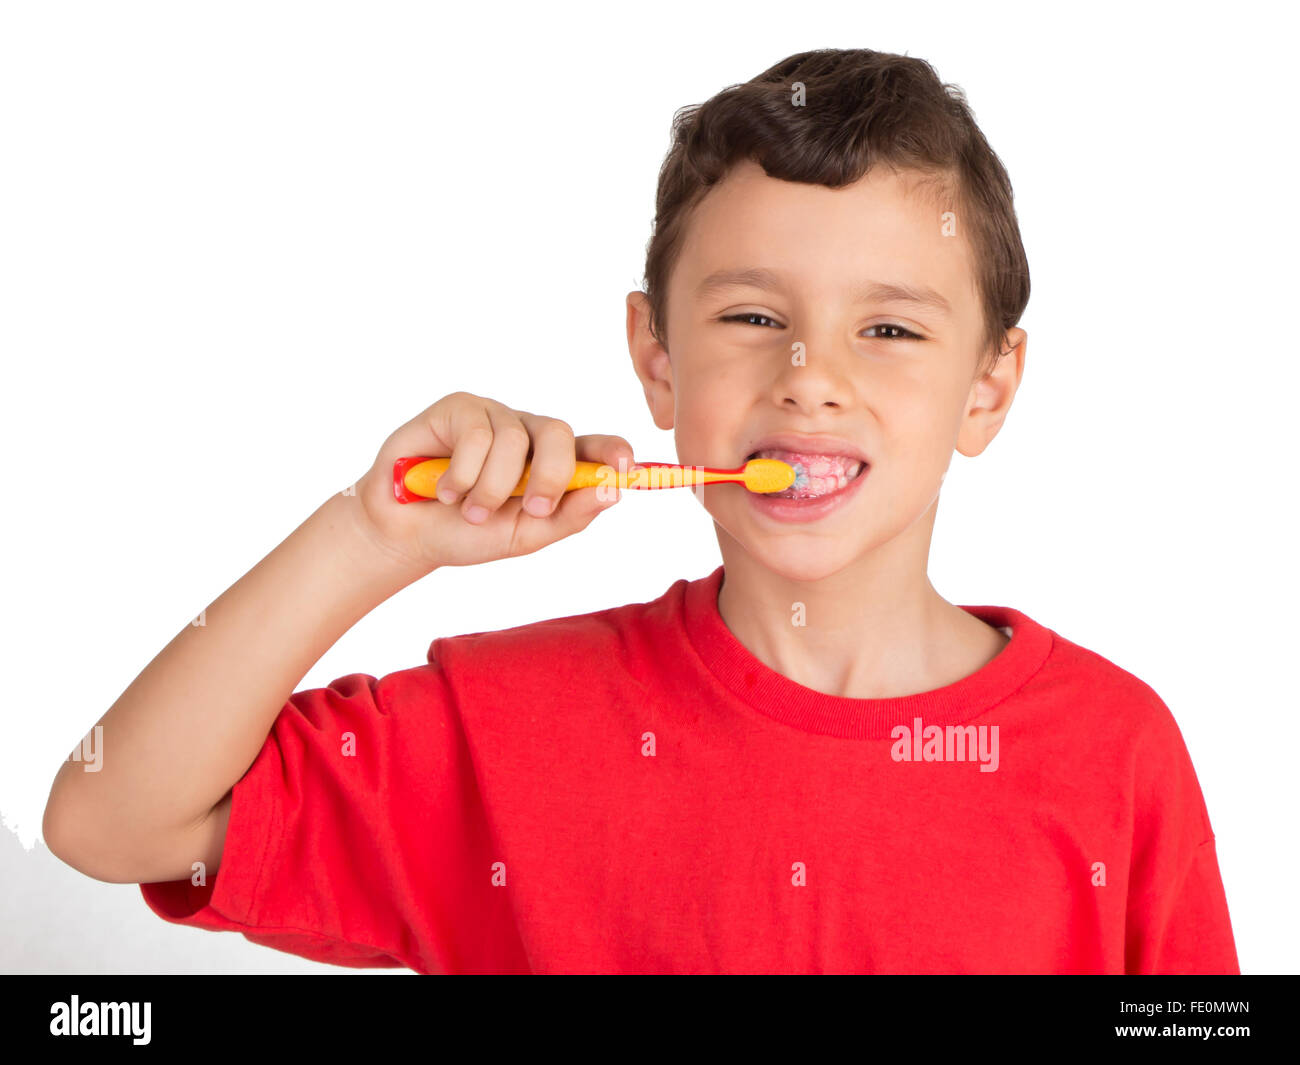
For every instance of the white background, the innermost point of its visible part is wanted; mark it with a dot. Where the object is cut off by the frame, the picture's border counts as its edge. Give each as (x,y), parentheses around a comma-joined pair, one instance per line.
(242,242)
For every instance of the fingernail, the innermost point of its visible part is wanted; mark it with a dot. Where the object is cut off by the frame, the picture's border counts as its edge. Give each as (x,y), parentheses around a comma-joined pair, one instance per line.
(475,513)
(447,495)
(538,506)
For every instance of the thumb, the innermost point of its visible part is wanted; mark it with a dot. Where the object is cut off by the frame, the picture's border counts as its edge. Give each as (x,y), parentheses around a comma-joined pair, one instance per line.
(576,510)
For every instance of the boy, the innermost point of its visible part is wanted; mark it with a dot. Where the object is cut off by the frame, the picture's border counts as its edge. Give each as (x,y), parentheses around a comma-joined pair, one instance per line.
(807,761)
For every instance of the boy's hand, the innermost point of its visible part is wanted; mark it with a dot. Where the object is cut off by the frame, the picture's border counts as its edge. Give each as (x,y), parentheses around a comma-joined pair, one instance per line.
(489,444)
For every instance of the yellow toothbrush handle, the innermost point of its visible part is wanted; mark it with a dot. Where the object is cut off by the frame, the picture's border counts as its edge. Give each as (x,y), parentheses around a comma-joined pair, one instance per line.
(416,477)
(422,478)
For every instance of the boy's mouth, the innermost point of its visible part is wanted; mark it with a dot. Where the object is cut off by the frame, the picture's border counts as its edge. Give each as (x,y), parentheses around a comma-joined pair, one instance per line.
(817,474)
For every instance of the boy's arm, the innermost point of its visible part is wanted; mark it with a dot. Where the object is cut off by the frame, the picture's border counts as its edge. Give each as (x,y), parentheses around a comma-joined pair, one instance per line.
(189,726)
(187,729)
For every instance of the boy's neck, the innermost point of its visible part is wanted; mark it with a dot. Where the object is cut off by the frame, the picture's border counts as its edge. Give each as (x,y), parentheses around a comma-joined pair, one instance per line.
(857,634)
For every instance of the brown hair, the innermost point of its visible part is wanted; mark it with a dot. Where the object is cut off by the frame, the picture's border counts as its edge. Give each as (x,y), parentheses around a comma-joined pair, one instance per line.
(864,109)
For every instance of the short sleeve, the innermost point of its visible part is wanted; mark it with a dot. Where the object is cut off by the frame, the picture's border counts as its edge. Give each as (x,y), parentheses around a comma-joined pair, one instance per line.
(358,836)
(1177,920)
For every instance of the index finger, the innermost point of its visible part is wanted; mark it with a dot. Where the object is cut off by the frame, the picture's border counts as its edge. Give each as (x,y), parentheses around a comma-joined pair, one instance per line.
(595,447)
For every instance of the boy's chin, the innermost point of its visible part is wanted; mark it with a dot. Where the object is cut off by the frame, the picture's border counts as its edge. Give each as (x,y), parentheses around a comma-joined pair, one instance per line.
(796,558)
(794,553)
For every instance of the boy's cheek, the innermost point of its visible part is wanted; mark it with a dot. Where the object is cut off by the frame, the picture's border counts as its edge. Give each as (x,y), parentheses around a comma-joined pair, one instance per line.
(709,423)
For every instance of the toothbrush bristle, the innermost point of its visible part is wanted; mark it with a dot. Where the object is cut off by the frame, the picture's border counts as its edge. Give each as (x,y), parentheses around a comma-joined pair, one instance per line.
(800,476)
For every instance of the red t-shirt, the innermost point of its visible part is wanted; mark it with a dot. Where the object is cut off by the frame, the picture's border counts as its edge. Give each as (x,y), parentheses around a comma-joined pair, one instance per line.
(632,791)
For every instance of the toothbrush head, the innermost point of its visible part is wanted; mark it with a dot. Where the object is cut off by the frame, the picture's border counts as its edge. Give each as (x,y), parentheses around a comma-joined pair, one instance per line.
(773,475)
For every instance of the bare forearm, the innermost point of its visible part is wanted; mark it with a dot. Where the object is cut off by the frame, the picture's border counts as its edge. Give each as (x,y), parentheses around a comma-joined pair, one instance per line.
(193,721)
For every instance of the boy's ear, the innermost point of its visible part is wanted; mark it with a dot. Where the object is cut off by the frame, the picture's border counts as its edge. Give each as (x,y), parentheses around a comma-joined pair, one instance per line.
(650,360)
(991,395)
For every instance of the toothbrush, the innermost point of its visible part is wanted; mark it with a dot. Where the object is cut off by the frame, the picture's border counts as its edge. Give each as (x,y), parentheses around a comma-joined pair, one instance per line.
(415,478)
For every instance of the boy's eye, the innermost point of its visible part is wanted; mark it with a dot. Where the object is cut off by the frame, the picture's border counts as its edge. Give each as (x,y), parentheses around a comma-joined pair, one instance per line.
(894,332)
(889,330)
(743,317)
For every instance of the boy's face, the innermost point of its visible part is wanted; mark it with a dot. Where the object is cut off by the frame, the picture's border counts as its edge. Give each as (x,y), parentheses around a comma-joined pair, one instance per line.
(810,350)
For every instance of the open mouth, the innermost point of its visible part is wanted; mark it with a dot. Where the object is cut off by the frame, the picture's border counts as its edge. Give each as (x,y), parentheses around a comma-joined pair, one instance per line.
(816,475)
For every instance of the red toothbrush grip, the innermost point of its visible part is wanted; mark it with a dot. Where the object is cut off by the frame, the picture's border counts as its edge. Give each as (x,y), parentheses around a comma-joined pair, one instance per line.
(404,494)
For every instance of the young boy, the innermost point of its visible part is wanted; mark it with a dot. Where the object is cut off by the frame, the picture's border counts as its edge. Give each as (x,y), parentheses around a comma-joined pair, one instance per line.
(807,761)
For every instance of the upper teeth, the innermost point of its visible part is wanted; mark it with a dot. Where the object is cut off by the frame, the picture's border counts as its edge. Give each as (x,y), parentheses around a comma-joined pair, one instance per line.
(852,467)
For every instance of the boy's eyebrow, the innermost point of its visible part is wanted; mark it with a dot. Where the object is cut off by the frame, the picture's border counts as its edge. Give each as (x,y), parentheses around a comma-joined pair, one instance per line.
(760,277)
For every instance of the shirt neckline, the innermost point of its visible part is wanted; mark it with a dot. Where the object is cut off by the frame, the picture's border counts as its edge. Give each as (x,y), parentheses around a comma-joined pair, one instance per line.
(771,693)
